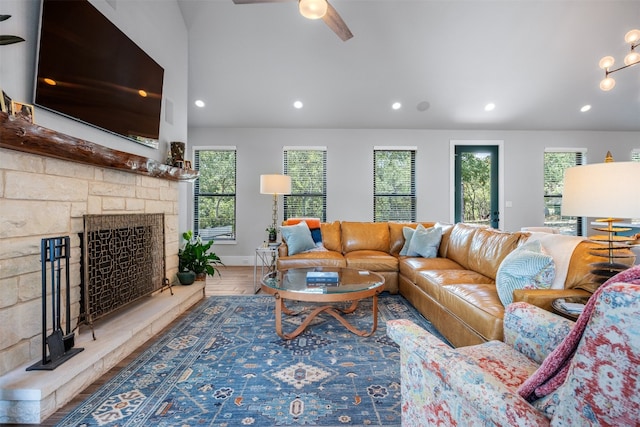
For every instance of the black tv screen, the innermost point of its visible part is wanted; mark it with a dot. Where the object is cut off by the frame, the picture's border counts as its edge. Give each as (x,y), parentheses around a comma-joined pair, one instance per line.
(89,70)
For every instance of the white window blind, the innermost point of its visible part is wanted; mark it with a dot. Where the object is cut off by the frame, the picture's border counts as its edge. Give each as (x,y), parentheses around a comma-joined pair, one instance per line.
(215,194)
(307,167)
(394,185)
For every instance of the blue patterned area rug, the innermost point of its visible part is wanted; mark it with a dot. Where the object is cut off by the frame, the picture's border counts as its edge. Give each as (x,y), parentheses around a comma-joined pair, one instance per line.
(224,365)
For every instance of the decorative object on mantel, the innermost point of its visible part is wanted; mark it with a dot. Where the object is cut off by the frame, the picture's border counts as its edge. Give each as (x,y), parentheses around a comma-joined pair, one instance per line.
(30,138)
(5,102)
(602,189)
(6,39)
(22,111)
(632,58)
(195,256)
(53,251)
(177,153)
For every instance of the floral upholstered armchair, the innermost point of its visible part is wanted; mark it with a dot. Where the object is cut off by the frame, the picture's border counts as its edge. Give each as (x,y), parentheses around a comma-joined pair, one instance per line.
(483,385)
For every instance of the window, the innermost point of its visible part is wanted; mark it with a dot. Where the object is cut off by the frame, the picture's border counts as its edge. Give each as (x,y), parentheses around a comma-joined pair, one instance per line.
(394,184)
(635,157)
(555,163)
(307,167)
(215,194)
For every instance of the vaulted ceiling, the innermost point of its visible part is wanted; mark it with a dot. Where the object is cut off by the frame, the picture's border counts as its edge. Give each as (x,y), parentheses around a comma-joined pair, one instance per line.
(444,61)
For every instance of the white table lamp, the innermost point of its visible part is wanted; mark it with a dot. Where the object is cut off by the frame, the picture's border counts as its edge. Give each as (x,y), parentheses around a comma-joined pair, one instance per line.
(275,184)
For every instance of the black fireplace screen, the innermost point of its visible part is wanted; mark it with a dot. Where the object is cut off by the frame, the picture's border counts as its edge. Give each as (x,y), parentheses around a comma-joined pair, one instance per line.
(123,261)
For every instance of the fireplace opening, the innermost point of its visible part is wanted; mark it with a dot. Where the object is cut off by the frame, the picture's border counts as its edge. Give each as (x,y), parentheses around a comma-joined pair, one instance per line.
(123,260)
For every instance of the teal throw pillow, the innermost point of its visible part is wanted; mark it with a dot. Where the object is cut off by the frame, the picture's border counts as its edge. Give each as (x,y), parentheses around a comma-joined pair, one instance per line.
(527,267)
(298,237)
(425,242)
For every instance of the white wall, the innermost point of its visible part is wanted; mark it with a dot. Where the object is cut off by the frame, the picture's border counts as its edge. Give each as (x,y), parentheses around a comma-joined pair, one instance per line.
(349,171)
(158,29)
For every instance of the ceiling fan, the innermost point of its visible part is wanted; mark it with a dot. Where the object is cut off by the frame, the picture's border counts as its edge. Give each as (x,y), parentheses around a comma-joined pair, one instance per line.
(315,9)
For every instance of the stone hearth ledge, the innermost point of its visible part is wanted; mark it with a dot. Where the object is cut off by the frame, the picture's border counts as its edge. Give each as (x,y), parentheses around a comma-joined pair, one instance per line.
(29,397)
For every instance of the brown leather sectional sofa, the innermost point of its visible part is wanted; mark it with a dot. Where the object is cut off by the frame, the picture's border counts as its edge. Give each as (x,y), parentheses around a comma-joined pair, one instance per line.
(456,290)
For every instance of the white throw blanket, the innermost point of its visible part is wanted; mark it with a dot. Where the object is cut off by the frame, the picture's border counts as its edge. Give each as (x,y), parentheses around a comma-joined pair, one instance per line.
(560,247)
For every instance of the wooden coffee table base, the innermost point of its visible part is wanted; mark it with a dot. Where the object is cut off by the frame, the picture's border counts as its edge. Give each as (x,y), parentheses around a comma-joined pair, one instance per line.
(330,309)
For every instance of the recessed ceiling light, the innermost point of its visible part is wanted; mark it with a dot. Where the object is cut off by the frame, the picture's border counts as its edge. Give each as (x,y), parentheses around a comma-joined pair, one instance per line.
(585,108)
(396,105)
(298,104)
(423,106)
(490,107)
(199,103)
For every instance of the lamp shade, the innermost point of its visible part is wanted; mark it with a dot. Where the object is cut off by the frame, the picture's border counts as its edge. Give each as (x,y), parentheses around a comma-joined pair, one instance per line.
(275,184)
(602,190)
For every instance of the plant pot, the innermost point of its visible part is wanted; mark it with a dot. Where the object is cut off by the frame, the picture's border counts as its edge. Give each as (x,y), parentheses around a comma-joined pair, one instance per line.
(201,276)
(186,277)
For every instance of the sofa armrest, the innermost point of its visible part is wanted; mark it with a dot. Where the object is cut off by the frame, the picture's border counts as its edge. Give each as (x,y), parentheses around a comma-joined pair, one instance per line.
(441,386)
(544,297)
(533,331)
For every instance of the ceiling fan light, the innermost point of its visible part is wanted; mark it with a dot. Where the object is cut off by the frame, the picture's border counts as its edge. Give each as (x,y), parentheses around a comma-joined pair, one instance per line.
(607,84)
(632,58)
(606,62)
(313,9)
(632,36)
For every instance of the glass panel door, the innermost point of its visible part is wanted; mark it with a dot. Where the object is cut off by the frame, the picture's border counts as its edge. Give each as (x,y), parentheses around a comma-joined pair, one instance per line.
(476,185)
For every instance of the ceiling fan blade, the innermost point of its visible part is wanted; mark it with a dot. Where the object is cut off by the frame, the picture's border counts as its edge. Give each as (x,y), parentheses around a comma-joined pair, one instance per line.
(335,22)
(260,1)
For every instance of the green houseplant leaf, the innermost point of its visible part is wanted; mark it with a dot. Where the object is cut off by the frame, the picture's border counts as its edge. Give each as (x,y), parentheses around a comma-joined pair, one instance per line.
(195,256)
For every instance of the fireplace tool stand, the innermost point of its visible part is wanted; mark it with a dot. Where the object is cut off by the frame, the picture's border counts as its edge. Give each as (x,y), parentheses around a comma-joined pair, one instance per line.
(54,251)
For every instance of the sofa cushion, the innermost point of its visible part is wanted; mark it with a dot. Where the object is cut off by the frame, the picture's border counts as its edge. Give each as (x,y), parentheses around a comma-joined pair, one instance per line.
(476,305)
(527,267)
(425,242)
(459,242)
(331,238)
(489,247)
(357,236)
(410,266)
(501,361)
(444,240)
(298,237)
(312,259)
(371,260)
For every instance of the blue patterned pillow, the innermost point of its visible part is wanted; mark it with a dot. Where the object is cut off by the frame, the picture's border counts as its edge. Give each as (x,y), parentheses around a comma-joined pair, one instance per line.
(527,267)
(298,237)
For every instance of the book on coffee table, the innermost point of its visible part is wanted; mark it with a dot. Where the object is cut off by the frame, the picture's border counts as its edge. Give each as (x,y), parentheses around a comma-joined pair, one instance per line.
(323,278)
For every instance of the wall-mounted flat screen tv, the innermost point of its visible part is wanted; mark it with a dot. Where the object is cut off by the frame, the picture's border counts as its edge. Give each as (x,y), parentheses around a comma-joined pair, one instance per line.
(89,70)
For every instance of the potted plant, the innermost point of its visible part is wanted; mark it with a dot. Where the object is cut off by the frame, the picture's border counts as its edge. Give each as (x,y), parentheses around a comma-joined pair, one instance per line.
(273,233)
(194,256)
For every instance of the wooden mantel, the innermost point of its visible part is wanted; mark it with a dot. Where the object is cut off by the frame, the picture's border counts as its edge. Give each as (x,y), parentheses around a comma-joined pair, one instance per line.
(18,134)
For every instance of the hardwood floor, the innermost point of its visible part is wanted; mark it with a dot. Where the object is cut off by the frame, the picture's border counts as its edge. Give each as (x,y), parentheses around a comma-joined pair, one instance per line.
(232,281)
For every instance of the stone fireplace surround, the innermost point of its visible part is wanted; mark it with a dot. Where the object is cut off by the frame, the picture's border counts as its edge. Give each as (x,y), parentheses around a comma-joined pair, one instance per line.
(43,196)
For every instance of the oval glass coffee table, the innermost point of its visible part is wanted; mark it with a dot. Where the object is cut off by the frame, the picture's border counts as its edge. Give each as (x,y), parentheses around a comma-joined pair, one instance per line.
(353,285)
